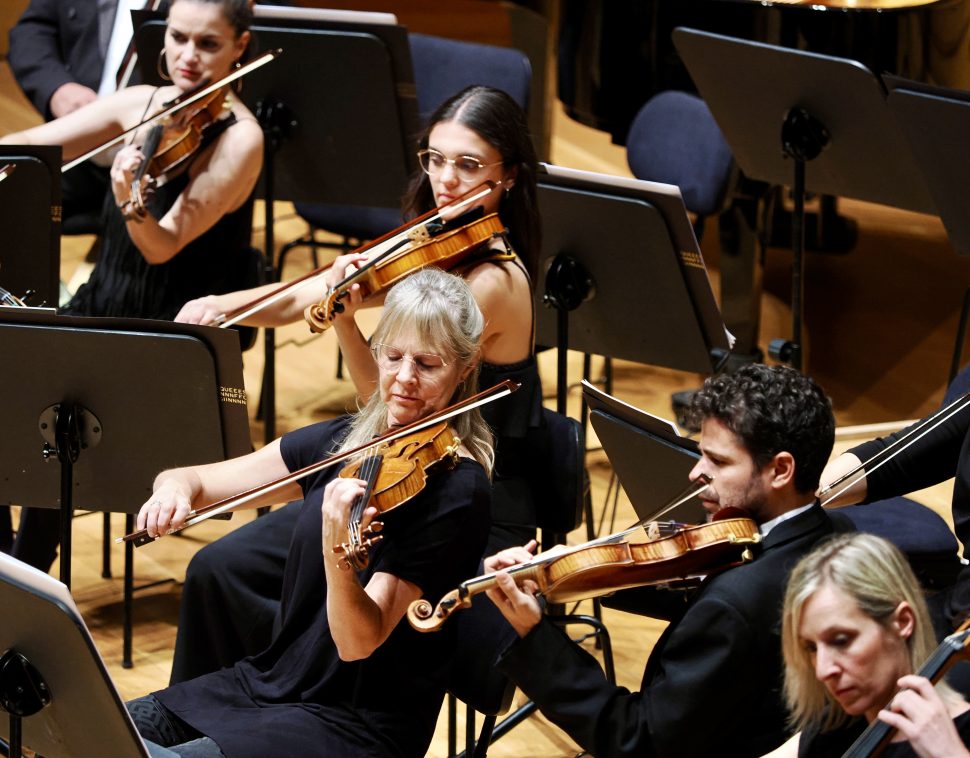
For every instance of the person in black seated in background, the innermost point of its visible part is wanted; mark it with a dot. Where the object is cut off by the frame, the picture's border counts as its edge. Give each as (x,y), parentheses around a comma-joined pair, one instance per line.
(192,238)
(345,674)
(232,587)
(855,630)
(712,683)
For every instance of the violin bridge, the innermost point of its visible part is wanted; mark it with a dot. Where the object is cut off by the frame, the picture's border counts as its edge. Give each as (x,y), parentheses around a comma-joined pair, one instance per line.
(419,235)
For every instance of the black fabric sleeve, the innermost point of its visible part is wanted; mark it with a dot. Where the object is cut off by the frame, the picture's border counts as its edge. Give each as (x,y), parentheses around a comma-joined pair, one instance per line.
(311,444)
(681,712)
(929,460)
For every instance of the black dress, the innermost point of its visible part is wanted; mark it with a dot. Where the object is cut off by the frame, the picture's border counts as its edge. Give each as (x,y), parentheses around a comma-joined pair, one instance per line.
(813,744)
(124,284)
(297,697)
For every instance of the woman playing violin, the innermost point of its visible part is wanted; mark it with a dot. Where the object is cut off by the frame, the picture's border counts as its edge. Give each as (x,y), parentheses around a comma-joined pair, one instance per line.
(231,591)
(343,675)
(855,628)
(191,239)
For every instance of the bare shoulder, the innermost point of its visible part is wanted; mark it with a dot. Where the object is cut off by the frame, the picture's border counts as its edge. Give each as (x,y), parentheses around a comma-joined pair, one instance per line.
(494,283)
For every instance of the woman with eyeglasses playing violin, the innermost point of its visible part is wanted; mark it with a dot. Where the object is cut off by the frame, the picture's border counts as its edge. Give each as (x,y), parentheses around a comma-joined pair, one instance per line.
(345,674)
(855,630)
(190,236)
(480,134)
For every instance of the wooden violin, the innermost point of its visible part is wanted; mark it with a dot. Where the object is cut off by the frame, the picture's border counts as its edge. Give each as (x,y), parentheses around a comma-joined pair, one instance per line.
(954,648)
(171,143)
(183,101)
(500,390)
(395,242)
(446,250)
(612,563)
(395,472)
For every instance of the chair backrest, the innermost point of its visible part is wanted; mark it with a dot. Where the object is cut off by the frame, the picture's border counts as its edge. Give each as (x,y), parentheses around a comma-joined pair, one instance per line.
(559,482)
(444,67)
(675,140)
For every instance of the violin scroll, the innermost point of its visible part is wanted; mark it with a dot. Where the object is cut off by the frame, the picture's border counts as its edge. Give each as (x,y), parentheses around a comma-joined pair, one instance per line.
(355,554)
(425,617)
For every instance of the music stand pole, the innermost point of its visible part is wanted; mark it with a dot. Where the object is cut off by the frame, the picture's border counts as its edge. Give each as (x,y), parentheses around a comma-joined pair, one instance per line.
(803,137)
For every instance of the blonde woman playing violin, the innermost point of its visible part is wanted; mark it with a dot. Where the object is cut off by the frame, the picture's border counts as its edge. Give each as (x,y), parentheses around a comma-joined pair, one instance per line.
(345,674)
(192,238)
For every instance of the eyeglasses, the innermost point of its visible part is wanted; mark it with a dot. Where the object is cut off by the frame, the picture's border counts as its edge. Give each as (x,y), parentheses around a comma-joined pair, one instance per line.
(428,366)
(467,167)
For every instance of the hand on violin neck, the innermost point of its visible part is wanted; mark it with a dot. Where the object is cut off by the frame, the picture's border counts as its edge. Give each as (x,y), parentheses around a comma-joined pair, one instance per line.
(517,603)
(339,497)
(511,556)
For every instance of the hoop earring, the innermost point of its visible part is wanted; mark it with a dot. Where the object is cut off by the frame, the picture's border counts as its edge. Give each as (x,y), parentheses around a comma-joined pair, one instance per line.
(163,73)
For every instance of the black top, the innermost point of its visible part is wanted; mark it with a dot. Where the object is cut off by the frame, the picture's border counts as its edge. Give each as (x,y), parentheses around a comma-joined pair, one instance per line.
(124,284)
(813,744)
(297,697)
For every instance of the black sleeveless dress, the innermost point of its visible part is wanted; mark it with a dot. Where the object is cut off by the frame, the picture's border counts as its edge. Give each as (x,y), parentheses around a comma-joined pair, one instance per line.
(124,284)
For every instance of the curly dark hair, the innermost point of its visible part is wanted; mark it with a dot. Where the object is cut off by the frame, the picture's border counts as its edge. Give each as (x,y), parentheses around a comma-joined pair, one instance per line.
(772,409)
(498,120)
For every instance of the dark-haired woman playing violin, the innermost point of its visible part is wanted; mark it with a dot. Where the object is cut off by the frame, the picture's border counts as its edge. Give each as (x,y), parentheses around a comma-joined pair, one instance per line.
(230,594)
(192,237)
(344,674)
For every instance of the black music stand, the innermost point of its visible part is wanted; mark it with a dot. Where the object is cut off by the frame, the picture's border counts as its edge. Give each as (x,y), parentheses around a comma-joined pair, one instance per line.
(115,401)
(650,458)
(622,269)
(347,139)
(783,110)
(30,222)
(936,123)
(53,684)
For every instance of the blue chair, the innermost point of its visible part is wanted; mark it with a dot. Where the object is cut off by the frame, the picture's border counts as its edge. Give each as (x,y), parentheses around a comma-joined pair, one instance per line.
(442,68)
(674,139)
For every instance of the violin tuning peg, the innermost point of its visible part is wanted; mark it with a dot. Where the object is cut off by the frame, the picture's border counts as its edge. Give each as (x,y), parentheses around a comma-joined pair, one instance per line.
(374,527)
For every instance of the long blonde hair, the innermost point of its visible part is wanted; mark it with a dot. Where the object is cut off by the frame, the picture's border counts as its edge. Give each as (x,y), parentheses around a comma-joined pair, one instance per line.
(874,573)
(441,308)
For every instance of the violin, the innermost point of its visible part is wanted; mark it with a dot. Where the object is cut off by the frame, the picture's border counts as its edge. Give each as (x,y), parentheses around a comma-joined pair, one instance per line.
(500,390)
(395,472)
(171,143)
(603,566)
(445,251)
(177,104)
(395,242)
(954,648)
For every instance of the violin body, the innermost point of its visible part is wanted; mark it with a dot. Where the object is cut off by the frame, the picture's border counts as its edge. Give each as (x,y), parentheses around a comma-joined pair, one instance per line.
(173,142)
(395,473)
(445,251)
(603,568)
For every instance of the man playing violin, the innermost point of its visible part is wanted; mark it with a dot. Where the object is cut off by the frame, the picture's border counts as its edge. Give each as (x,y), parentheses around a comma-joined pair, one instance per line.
(712,683)
(344,674)
(192,235)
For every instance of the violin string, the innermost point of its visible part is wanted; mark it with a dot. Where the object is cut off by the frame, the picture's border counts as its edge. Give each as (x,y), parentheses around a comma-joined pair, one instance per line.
(891,451)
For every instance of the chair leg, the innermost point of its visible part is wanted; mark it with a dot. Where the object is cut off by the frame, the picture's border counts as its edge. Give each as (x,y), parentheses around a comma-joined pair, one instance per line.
(106,546)
(452,725)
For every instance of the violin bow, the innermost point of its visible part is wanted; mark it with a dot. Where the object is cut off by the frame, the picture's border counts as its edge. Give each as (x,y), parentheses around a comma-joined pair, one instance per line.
(179,103)
(915,434)
(225,505)
(392,240)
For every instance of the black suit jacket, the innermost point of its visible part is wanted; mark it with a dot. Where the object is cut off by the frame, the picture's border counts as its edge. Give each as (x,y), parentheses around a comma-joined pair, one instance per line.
(712,685)
(53,43)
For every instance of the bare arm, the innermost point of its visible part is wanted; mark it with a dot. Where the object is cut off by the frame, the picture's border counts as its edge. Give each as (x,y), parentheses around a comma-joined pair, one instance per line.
(176,492)
(220,181)
(849,492)
(361,618)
